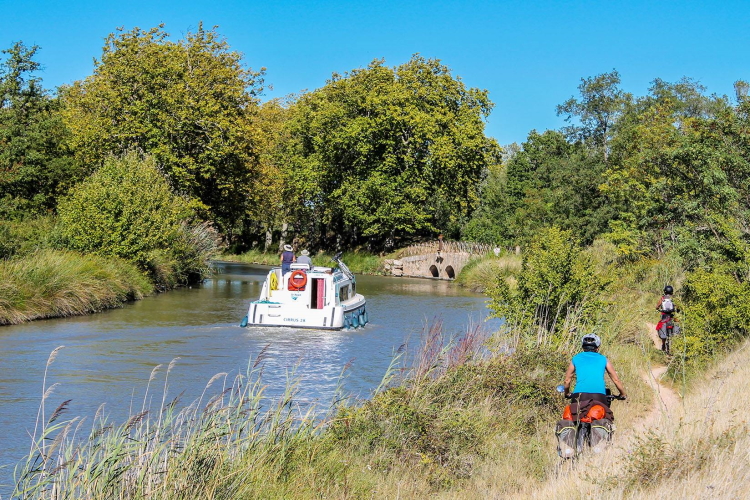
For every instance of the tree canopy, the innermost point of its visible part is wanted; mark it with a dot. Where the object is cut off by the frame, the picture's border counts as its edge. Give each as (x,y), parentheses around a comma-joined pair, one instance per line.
(185,102)
(392,153)
(35,164)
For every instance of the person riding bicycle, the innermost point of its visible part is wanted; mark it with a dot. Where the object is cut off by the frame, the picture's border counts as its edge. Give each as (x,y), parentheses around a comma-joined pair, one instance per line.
(667,309)
(589,368)
(588,417)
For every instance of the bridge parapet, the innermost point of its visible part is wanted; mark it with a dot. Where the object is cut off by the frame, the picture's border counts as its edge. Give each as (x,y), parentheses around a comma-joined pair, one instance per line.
(436,259)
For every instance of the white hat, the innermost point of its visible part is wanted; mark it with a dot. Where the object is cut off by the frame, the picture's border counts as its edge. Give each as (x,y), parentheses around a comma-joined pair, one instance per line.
(305,252)
(288,248)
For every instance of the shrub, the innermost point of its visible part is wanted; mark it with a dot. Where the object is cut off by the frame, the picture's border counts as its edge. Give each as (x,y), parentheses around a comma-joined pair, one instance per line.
(716,313)
(25,236)
(558,286)
(128,210)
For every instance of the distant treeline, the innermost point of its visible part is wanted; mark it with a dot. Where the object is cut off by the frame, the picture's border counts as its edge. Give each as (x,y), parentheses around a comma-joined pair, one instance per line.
(376,158)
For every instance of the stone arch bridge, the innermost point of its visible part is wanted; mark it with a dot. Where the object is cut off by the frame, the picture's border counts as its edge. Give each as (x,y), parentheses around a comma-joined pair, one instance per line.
(436,259)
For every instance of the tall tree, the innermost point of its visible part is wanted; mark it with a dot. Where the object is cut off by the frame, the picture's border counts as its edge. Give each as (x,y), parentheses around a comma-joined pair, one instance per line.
(679,172)
(186,103)
(35,165)
(548,182)
(601,103)
(395,153)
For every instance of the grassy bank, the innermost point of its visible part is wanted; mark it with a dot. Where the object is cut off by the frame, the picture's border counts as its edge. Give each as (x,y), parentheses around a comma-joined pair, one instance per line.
(51,283)
(480,273)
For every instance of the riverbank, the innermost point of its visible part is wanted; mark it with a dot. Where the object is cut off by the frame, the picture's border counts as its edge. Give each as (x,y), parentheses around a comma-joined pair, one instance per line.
(468,415)
(471,417)
(51,284)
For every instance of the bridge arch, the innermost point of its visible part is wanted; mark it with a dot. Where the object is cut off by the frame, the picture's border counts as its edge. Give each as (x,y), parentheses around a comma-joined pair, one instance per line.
(434,271)
(450,272)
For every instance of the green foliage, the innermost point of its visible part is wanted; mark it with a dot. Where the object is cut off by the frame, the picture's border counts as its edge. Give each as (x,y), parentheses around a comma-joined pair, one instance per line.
(392,153)
(35,165)
(454,417)
(187,103)
(25,236)
(548,182)
(679,173)
(598,109)
(127,210)
(481,273)
(558,287)
(716,314)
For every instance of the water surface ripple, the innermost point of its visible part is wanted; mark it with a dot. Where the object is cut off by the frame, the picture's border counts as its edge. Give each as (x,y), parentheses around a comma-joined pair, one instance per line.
(108,357)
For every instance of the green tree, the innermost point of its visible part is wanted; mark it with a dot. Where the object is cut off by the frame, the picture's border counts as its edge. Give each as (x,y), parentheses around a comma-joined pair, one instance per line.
(394,153)
(600,105)
(679,173)
(35,165)
(548,182)
(187,103)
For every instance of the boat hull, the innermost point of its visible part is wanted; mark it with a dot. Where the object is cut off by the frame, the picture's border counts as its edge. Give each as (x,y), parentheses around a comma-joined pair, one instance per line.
(268,313)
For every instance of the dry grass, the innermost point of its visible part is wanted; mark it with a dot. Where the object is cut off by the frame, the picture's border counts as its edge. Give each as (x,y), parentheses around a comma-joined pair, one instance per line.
(480,273)
(694,448)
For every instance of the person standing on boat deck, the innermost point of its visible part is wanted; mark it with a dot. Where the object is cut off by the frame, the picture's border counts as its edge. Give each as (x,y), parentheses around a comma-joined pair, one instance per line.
(305,259)
(287,258)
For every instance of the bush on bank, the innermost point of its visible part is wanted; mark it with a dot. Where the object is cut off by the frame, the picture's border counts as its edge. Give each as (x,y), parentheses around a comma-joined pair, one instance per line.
(25,236)
(128,210)
(558,288)
(53,283)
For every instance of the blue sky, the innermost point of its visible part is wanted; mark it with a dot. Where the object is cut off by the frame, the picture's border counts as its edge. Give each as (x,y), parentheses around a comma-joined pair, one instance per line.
(529,55)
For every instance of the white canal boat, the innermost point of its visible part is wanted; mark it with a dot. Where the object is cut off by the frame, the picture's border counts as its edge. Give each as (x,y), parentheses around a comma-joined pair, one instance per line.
(320,298)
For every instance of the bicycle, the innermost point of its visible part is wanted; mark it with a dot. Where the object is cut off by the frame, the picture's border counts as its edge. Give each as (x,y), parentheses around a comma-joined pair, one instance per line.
(667,329)
(592,431)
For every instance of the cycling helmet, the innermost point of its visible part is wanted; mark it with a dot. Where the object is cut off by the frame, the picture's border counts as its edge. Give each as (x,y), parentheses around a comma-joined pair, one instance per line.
(591,341)
(668,290)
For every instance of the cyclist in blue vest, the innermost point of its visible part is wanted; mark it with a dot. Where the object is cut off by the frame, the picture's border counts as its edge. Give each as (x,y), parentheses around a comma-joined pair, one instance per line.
(589,367)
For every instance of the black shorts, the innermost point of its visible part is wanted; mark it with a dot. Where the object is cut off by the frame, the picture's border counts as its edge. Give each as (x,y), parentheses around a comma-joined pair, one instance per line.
(583,396)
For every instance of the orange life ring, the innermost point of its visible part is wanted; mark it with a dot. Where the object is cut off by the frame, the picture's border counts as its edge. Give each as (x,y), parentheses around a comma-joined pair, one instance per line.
(297,280)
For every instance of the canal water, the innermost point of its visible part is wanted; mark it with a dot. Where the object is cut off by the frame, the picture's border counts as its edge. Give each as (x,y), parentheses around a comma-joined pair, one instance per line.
(108,357)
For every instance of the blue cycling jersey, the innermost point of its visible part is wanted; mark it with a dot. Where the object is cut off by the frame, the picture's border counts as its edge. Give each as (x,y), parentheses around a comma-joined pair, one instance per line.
(590,368)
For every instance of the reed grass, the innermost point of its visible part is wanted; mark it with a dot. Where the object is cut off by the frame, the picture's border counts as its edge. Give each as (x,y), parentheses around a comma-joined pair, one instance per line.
(52,283)
(480,273)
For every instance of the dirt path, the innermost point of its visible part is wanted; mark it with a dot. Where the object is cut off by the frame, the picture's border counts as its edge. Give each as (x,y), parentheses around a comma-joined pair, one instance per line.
(666,400)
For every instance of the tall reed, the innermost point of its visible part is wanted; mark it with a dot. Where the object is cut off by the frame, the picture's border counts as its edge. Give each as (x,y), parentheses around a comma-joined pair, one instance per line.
(162,452)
